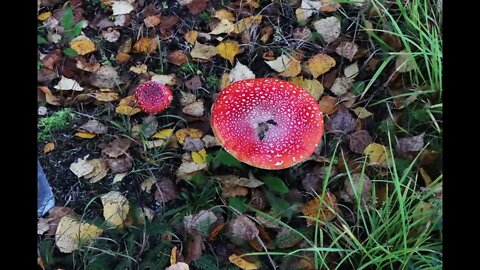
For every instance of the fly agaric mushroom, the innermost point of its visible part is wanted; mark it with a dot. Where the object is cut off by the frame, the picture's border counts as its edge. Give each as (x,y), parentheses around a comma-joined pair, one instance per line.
(267,123)
(153,97)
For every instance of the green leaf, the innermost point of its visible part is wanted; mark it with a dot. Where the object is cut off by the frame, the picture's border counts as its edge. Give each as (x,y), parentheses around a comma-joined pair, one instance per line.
(41,40)
(67,20)
(238,203)
(275,184)
(279,205)
(69,52)
(198,179)
(222,157)
(77,29)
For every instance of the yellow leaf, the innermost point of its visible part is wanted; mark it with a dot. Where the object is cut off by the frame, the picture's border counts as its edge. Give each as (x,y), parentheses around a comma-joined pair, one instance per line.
(182,134)
(362,113)
(145,45)
(106,96)
(122,58)
(426,178)
(246,23)
(223,27)
(173,255)
(200,156)
(242,263)
(320,209)
(252,3)
(126,106)
(319,64)
(71,234)
(314,87)
(44,16)
(228,50)
(115,208)
(139,69)
(48,147)
(288,66)
(85,135)
(163,134)
(223,14)
(224,81)
(201,51)
(100,169)
(82,45)
(191,37)
(377,153)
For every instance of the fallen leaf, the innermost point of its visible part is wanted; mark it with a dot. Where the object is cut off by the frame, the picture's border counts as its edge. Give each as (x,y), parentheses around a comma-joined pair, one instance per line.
(194,83)
(200,156)
(329,5)
(410,145)
(122,58)
(306,10)
(182,134)
(99,172)
(246,23)
(223,14)
(126,106)
(81,167)
(179,265)
(111,35)
(197,6)
(314,87)
(48,147)
(362,188)
(240,72)
(68,84)
(242,228)
(359,141)
(126,47)
(82,45)
(228,50)
(163,134)
(392,40)
(250,182)
(105,77)
(319,64)
(45,15)
(210,141)
(351,71)
(116,148)
(426,178)
(341,85)
(302,33)
(203,219)
(147,184)
(71,234)
(321,209)
(106,96)
(347,49)
(223,27)
(267,222)
(118,177)
(165,191)
(43,225)
(377,154)
(115,208)
(242,263)
(342,120)
(173,255)
(191,37)
(119,165)
(152,21)
(49,97)
(139,69)
(224,81)
(149,126)
(184,2)
(328,104)
(194,247)
(145,45)
(165,79)
(201,51)
(229,190)
(288,66)
(362,113)
(90,66)
(195,109)
(266,33)
(193,145)
(42,111)
(404,62)
(329,28)
(188,167)
(177,57)
(94,126)
(121,7)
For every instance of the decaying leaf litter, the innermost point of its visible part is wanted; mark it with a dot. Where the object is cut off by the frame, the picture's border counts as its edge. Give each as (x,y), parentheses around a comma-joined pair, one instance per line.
(116,171)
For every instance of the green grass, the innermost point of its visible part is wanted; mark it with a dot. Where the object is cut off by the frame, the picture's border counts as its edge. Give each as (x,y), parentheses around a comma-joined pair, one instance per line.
(59,120)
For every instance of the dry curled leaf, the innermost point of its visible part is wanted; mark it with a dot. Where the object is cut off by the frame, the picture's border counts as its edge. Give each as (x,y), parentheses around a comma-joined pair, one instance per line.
(319,64)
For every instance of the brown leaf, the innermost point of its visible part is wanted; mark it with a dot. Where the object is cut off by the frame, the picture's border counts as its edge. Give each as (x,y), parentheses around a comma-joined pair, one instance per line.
(329,28)
(177,57)
(48,147)
(195,109)
(347,49)
(230,190)
(115,148)
(193,144)
(392,41)
(329,6)
(94,126)
(46,75)
(258,200)
(201,51)
(328,104)
(319,208)
(197,6)
(199,221)
(152,21)
(215,231)
(342,120)
(194,83)
(145,45)
(165,191)
(242,228)
(341,85)
(119,165)
(319,64)
(266,33)
(99,172)
(52,59)
(105,77)
(408,146)
(359,141)
(364,190)
(194,248)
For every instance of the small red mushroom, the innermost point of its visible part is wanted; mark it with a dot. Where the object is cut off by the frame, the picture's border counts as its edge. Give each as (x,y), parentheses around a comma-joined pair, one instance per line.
(267,123)
(153,97)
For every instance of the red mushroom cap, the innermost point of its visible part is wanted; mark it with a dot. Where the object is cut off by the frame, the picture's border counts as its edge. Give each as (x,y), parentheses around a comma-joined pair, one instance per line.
(267,123)
(153,97)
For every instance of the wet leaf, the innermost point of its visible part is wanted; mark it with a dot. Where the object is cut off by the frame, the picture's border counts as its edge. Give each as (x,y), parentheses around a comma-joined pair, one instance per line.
(48,147)
(377,154)
(71,234)
(126,106)
(223,14)
(201,51)
(177,57)
(199,157)
(82,45)
(165,191)
(182,134)
(145,45)
(288,66)
(228,50)
(240,72)
(343,121)
(119,165)
(223,27)
(329,28)
(242,228)
(81,167)
(362,113)
(319,64)
(115,208)
(68,84)
(359,141)
(314,87)
(116,148)
(319,208)
(410,145)
(242,263)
